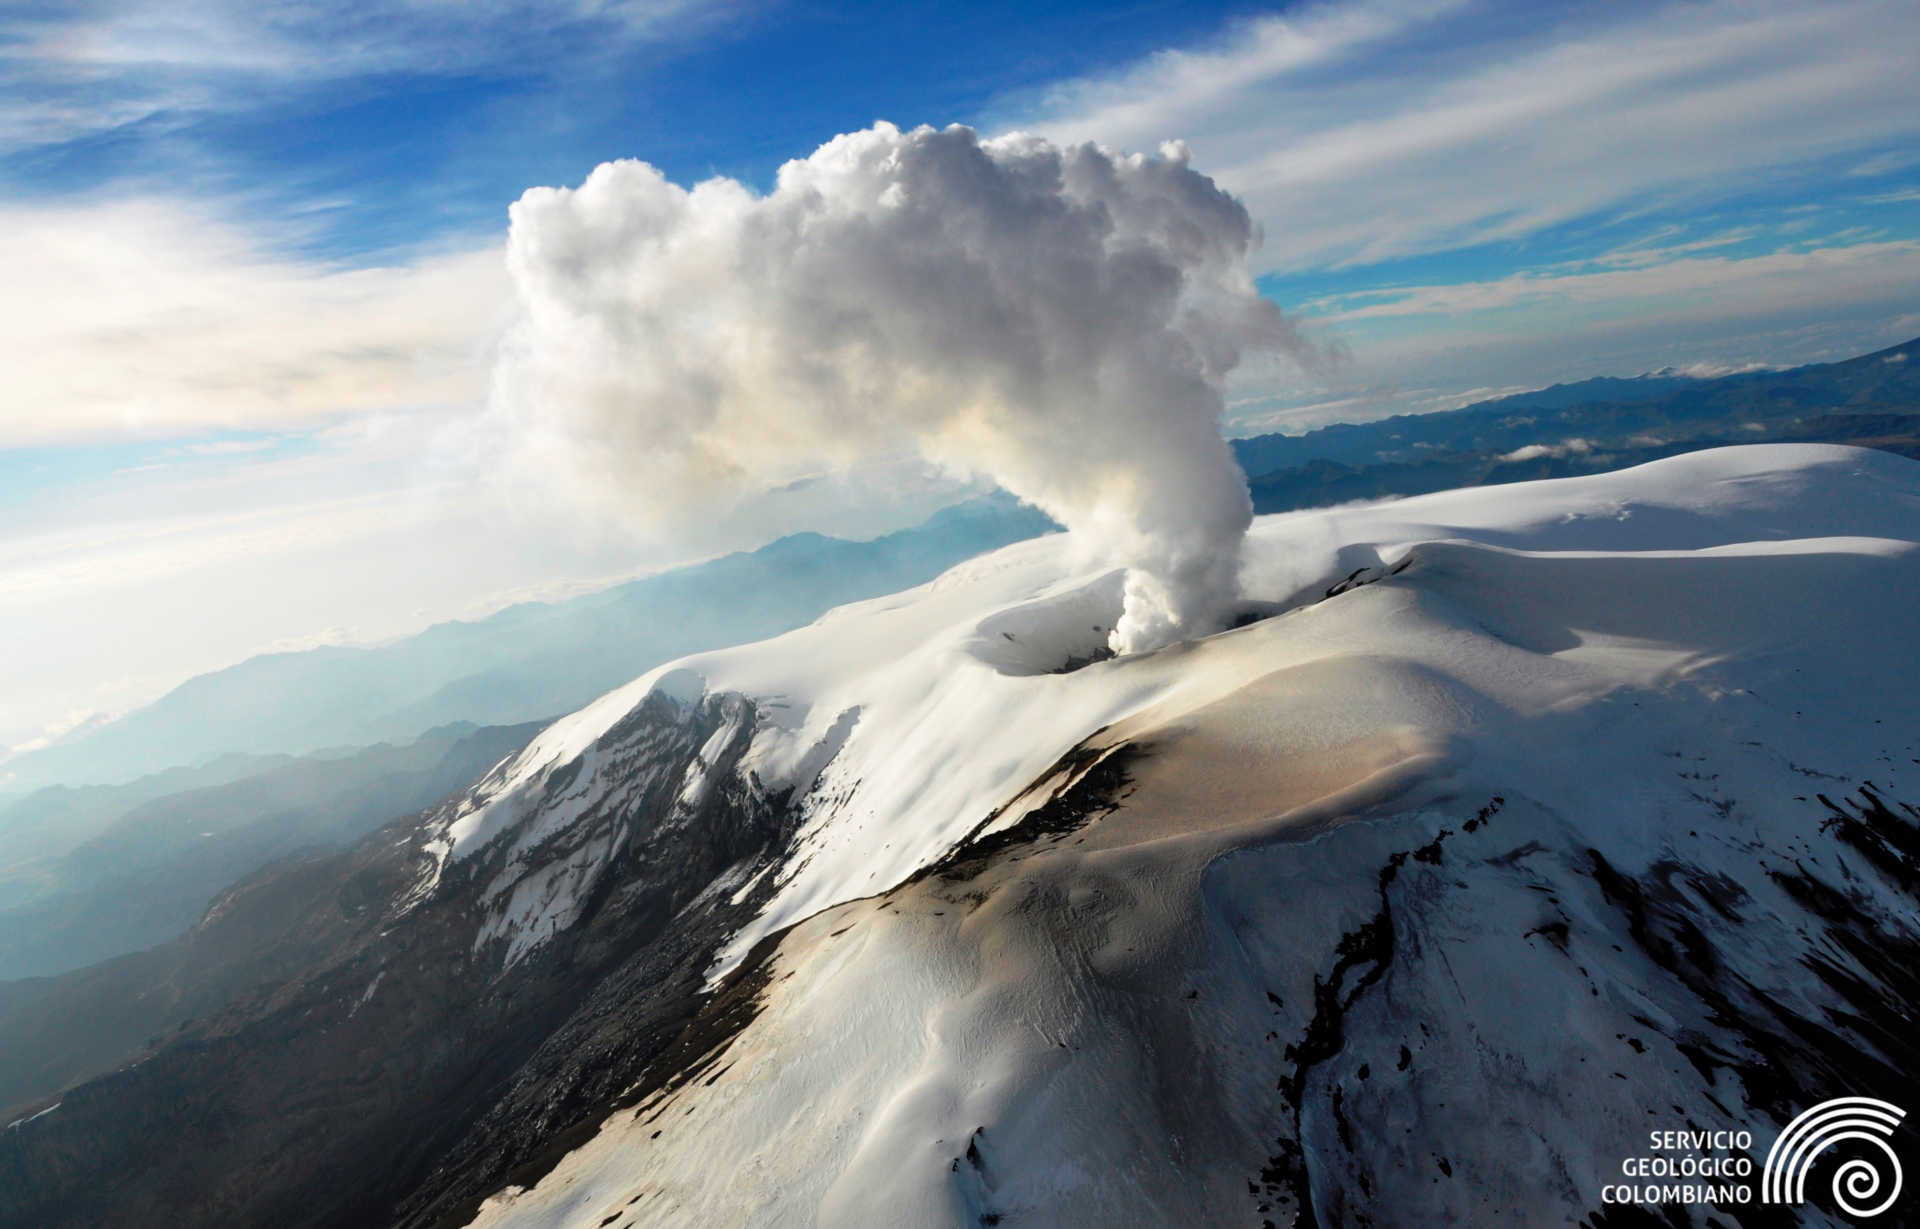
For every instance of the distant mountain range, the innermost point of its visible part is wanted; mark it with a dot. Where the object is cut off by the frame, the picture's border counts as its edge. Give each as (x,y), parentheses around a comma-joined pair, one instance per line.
(37,831)
(1594,426)
(106,883)
(528,662)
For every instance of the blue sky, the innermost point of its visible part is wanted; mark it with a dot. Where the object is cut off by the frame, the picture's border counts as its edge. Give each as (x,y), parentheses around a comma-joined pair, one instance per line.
(254,251)
(433,118)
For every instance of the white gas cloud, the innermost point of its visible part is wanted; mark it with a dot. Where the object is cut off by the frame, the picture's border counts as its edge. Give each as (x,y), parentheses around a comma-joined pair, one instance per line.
(1062,320)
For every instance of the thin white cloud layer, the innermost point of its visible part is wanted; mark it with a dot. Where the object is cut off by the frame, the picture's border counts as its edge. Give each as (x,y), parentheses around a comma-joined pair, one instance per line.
(1756,285)
(1061,320)
(70,70)
(151,319)
(1374,129)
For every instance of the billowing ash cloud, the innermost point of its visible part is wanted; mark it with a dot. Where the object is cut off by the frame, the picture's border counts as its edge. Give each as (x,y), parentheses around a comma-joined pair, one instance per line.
(1061,320)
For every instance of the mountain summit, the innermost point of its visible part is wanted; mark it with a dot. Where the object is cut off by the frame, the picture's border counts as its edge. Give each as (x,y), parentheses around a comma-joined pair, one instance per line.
(1509,825)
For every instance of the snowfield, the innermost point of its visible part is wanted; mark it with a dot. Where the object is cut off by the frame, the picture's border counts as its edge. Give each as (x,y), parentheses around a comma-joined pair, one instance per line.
(1478,852)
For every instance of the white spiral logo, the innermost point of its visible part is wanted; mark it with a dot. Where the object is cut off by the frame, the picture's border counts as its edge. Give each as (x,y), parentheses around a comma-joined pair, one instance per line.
(1785,1178)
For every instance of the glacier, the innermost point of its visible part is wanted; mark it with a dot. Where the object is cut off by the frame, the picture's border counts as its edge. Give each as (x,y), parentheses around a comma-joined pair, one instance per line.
(1510,824)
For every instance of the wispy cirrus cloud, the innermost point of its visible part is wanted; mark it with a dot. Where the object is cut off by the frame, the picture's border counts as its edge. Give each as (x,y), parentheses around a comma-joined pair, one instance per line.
(75,71)
(1373,130)
(1670,283)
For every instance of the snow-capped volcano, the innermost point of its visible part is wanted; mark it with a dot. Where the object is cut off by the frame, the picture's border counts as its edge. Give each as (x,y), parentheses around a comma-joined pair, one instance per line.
(1509,826)
(1513,828)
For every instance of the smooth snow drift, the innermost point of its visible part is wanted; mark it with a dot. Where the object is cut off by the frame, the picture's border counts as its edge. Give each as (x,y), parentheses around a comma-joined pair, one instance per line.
(1090,1029)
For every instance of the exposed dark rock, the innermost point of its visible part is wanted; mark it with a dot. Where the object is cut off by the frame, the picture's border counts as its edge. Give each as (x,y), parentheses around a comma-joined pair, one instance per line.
(1746,1050)
(1086,783)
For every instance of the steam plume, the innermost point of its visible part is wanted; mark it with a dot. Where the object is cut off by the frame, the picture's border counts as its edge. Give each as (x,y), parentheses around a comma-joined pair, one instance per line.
(1061,320)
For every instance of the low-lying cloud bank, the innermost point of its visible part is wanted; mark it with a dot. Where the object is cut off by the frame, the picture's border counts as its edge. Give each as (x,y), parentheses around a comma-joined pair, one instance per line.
(1062,320)
(168,318)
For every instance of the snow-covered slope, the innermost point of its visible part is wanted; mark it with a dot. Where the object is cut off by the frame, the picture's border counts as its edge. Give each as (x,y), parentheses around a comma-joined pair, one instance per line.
(1525,821)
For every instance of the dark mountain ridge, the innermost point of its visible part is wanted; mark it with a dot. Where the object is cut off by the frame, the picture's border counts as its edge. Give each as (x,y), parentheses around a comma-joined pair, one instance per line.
(148,875)
(39,829)
(1594,426)
(312,1050)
